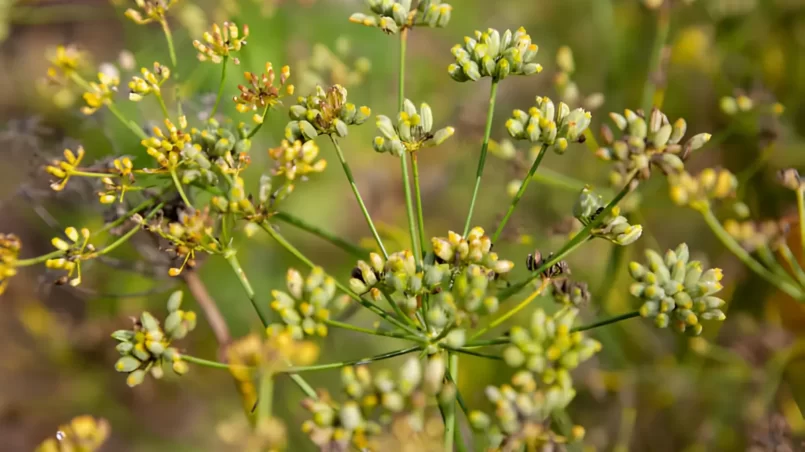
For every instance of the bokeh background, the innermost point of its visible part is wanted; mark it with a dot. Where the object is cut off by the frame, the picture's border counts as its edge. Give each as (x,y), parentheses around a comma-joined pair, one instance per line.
(649,389)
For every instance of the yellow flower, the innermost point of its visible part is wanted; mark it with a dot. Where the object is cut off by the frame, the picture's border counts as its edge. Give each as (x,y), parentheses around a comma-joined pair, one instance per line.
(261,91)
(63,169)
(65,61)
(219,43)
(150,82)
(150,11)
(100,93)
(83,433)
(166,147)
(296,159)
(74,251)
(10,246)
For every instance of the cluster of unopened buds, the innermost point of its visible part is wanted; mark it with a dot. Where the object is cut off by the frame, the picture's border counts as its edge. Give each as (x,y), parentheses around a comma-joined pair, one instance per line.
(10,246)
(476,249)
(374,401)
(411,131)
(221,42)
(147,347)
(304,308)
(149,83)
(260,92)
(100,93)
(324,112)
(296,160)
(193,232)
(490,54)
(677,291)
(150,11)
(391,16)
(697,191)
(646,142)
(548,125)
(63,169)
(590,207)
(166,146)
(77,249)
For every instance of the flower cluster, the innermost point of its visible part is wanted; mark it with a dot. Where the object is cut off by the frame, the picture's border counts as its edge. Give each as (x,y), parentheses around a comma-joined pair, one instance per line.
(698,191)
(74,251)
(521,414)
(261,92)
(391,16)
(490,54)
(646,142)
(193,232)
(474,249)
(296,160)
(221,42)
(411,131)
(754,235)
(548,125)
(63,169)
(214,144)
(742,103)
(65,61)
(677,291)
(373,401)
(166,147)
(10,246)
(100,93)
(150,11)
(614,227)
(150,82)
(147,347)
(82,434)
(303,308)
(549,349)
(463,304)
(324,113)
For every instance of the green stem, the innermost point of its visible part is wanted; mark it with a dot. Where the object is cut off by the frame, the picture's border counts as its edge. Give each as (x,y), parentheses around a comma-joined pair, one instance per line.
(615,319)
(792,262)
(768,259)
(801,210)
(125,237)
(487,342)
(735,248)
(450,414)
(471,352)
(304,386)
(125,217)
(553,178)
(514,311)
(232,258)
(179,188)
(401,70)
(520,192)
(357,329)
(348,173)
(266,398)
(258,126)
(484,147)
(162,105)
(650,88)
(577,240)
(133,127)
(353,249)
(409,207)
(418,196)
(38,259)
(220,87)
(356,362)
(207,363)
(169,38)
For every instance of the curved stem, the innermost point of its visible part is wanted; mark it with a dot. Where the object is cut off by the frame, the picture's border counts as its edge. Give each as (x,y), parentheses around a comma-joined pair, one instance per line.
(353,249)
(513,311)
(735,248)
(348,173)
(258,126)
(232,259)
(617,318)
(169,38)
(520,192)
(179,187)
(220,86)
(484,147)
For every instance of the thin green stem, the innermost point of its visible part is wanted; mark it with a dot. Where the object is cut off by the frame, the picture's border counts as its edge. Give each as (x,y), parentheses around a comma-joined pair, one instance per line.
(356,362)
(577,240)
(450,410)
(409,207)
(125,217)
(655,61)
(466,351)
(169,38)
(484,147)
(88,174)
(735,248)
(133,127)
(162,105)
(258,126)
(487,342)
(768,259)
(348,173)
(551,178)
(220,86)
(398,310)
(357,329)
(266,398)
(418,196)
(179,187)
(512,312)
(615,319)
(125,237)
(304,386)
(207,363)
(350,248)
(232,258)
(38,259)
(801,210)
(520,193)
(792,262)
(401,70)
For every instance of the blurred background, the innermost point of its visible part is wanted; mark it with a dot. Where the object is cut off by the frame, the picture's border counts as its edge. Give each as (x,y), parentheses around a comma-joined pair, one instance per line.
(741,388)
